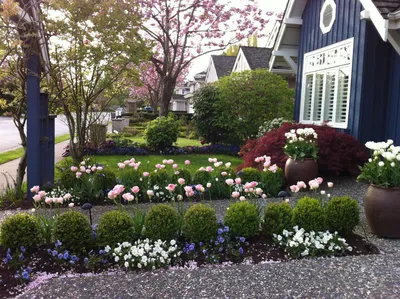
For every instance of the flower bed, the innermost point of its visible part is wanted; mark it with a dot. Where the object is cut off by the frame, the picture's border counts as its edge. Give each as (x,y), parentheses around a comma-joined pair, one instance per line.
(169,235)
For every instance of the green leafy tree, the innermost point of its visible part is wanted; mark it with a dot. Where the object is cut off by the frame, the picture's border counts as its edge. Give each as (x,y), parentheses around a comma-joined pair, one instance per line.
(254,97)
(96,48)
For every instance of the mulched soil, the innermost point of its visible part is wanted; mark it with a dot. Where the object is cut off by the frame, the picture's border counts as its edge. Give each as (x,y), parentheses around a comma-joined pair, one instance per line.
(260,249)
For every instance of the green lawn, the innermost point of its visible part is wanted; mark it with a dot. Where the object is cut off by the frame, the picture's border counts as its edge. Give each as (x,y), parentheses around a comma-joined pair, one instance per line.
(181,141)
(197,161)
(17,153)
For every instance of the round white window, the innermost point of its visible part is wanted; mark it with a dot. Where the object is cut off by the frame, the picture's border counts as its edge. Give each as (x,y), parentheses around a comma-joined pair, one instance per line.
(328,16)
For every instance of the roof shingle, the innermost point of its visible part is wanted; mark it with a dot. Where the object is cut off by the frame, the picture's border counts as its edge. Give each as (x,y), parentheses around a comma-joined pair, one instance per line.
(258,58)
(223,64)
(387,6)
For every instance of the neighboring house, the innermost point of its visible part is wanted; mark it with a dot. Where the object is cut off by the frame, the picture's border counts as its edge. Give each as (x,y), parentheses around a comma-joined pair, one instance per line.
(218,67)
(251,58)
(346,57)
(181,100)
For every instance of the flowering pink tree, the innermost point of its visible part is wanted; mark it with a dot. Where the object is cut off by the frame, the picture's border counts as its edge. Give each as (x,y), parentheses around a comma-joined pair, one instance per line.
(186,29)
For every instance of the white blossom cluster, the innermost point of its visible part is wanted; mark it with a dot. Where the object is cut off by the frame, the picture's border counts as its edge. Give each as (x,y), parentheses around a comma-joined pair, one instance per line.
(306,134)
(269,125)
(386,149)
(60,192)
(146,254)
(299,243)
(160,194)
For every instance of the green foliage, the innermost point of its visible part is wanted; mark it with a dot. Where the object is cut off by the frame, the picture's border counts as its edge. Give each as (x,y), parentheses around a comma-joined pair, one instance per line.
(243,219)
(202,177)
(270,125)
(138,223)
(104,179)
(273,182)
(254,97)
(250,174)
(309,214)
(73,230)
(182,173)
(162,132)
(162,222)
(115,227)
(301,144)
(342,215)
(68,179)
(160,178)
(200,223)
(214,119)
(46,225)
(20,230)
(129,176)
(277,217)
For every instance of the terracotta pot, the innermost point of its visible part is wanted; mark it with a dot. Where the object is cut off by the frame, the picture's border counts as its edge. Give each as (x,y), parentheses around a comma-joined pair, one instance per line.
(298,170)
(382,209)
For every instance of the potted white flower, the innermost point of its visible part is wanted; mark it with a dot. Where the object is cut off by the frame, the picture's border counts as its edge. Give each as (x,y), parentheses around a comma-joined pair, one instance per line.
(302,151)
(382,200)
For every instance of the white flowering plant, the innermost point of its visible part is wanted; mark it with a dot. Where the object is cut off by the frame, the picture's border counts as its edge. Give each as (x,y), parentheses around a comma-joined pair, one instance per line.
(301,144)
(383,168)
(270,125)
(299,243)
(146,254)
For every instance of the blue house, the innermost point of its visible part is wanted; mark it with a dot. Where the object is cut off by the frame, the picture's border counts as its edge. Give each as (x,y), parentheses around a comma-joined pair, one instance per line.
(345,54)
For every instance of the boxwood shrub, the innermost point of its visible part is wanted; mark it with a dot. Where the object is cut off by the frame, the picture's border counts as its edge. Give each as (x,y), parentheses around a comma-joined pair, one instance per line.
(162,222)
(200,223)
(342,215)
(115,227)
(277,217)
(243,219)
(309,214)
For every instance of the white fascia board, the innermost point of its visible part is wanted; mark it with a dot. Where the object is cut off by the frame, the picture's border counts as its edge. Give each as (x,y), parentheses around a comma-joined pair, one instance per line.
(381,24)
(293,21)
(282,71)
(394,39)
(210,65)
(286,52)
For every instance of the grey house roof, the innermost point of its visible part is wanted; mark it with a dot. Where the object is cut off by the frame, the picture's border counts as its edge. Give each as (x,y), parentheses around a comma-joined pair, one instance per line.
(258,58)
(223,64)
(388,6)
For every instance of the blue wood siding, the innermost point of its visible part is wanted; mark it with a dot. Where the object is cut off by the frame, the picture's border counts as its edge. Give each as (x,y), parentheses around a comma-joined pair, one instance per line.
(392,117)
(347,25)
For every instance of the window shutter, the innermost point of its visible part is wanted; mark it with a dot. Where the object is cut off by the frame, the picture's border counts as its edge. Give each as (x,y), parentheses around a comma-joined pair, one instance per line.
(329,95)
(319,89)
(343,95)
(308,97)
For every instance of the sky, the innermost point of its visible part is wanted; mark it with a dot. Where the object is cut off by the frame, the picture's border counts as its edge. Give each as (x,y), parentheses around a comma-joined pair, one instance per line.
(200,64)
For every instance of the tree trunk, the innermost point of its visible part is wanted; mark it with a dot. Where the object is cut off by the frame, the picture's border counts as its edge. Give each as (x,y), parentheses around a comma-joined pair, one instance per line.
(20,174)
(167,92)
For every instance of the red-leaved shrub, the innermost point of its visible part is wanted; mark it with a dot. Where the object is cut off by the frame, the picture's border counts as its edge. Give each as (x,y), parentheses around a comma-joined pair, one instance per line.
(338,153)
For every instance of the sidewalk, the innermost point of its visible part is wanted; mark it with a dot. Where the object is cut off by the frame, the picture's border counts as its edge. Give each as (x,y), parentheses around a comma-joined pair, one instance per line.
(11,167)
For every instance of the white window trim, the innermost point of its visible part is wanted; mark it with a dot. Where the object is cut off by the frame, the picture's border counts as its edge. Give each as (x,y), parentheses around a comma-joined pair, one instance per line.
(324,70)
(326,29)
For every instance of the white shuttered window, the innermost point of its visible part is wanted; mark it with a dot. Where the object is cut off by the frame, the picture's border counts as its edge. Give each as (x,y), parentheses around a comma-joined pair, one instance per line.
(326,85)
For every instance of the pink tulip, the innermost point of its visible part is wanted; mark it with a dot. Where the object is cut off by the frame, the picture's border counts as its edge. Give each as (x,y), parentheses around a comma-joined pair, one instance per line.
(165,161)
(253,184)
(121,165)
(100,168)
(216,164)
(175,166)
(170,161)
(313,184)
(128,197)
(273,168)
(199,187)
(235,194)
(295,188)
(202,169)
(150,193)
(209,169)
(67,196)
(94,168)
(158,166)
(111,195)
(71,205)
(246,190)
(135,189)
(78,174)
(264,196)
(132,164)
(215,160)
(146,174)
(257,160)
(224,173)
(171,187)
(60,200)
(267,163)
(88,171)
(48,200)
(83,168)
(188,188)
(319,180)
(259,191)
(190,193)
(181,181)
(301,185)
(229,182)
(37,197)
(210,160)
(162,166)
(42,194)
(126,162)
(74,168)
(238,181)
(330,184)
(242,198)
(187,162)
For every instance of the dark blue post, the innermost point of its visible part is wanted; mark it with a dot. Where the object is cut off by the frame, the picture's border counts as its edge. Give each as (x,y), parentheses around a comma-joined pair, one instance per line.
(33,130)
(46,141)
